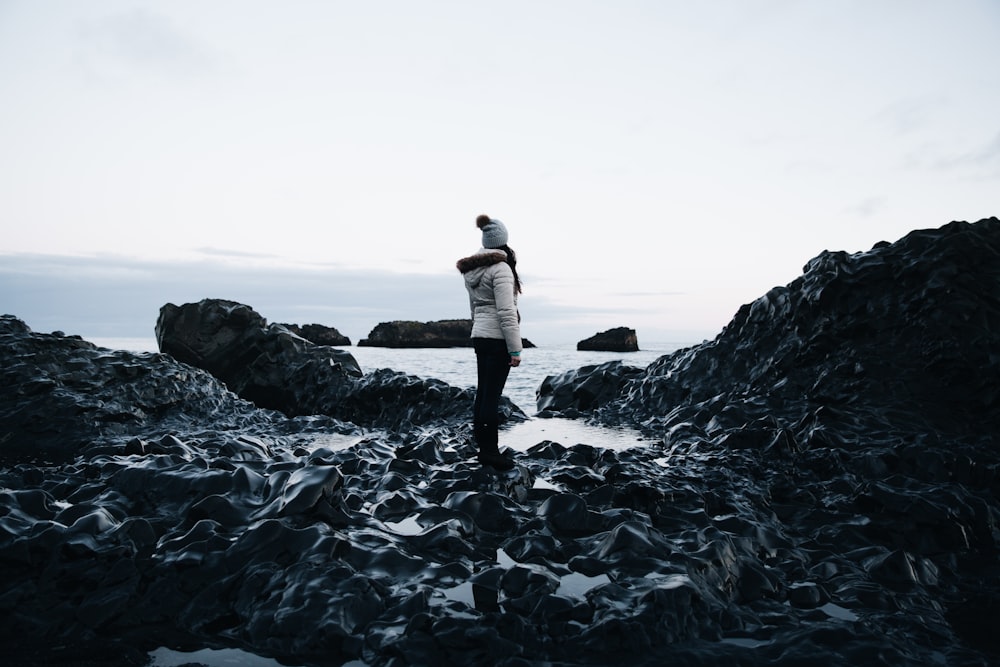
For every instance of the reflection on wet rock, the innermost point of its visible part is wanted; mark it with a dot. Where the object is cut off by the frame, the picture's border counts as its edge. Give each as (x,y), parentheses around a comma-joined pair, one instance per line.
(815,486)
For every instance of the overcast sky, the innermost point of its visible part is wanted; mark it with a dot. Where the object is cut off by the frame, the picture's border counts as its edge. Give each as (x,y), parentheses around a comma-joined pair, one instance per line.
(657,163)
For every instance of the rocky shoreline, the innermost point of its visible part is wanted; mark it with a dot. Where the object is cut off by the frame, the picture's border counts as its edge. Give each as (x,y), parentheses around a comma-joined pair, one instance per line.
(817,485)
(277,370)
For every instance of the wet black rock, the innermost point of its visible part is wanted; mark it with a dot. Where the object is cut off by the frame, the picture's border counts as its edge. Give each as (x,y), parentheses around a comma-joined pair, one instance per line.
(764,518)
(276,369)
(266,364)
(909,328)
(863,398)
(407,334)
(584,389)
(619,339)
(58,393)
(319,334)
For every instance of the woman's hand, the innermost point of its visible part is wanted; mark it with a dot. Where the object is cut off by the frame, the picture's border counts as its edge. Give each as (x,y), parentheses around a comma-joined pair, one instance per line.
(515,361)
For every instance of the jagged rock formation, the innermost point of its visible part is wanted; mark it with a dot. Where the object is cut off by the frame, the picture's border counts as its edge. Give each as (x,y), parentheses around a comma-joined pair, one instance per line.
(319,334)
(59,393)
(824,490)
(407,334)
(619,339)
(911,329)
(865,397)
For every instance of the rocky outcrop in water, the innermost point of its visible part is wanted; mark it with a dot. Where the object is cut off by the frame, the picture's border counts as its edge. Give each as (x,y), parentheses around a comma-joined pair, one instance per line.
(754,525)
(407,334)
(319,334)
(404,334)
(275,369)
(619,339)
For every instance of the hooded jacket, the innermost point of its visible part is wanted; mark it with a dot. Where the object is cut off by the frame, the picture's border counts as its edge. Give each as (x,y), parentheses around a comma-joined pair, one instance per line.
(492,298)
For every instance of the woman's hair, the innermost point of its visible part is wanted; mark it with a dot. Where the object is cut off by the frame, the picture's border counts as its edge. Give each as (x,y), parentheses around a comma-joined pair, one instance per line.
(512,261)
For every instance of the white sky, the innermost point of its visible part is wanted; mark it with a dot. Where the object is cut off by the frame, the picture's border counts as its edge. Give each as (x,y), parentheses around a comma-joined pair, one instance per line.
(658,163)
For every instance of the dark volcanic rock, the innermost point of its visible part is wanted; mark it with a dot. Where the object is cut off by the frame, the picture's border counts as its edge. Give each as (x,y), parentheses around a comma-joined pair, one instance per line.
(767,520)
(262,363)
(909,329)
(319,334)
(406,334)
(278,370)
(865,398)
(584,389)
(619,339)
(58,393)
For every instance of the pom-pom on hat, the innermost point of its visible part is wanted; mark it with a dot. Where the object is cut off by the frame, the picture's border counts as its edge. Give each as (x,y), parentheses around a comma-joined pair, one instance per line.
(494,232)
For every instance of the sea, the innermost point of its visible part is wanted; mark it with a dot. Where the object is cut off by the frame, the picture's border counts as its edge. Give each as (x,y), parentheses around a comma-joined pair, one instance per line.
(457,366)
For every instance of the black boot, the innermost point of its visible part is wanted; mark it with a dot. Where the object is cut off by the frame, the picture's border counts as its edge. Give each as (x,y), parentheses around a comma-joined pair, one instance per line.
(479,434)
(488,437)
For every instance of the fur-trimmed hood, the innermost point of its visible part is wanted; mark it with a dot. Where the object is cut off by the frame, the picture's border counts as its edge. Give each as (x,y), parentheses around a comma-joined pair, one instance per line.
(474,267)
(485,257)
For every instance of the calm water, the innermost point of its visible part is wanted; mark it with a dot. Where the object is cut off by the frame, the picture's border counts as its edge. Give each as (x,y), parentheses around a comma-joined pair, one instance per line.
(457,366)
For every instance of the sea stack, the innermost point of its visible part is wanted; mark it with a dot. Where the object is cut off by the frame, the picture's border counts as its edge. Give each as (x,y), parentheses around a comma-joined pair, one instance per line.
(620,339)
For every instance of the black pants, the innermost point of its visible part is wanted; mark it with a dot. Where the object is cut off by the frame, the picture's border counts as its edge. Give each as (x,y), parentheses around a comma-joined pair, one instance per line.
(493,366)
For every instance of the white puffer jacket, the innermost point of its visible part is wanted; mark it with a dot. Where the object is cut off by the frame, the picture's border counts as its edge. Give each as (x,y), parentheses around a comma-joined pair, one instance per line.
(492,298)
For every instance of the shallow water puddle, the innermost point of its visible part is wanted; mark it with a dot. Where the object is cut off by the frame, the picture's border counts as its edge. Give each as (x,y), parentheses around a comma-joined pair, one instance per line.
(164,657)
(461,593)
(542,483)
(504,560)
(573,585)
(522,436)
(576,585)
(464,592)
(744,642)
(334,441)
(227,657)
(407,526)
(835,611)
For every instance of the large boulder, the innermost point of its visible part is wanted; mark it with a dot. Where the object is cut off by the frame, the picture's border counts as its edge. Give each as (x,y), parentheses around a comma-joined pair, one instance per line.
(407,334)
(619,339)
(265,364)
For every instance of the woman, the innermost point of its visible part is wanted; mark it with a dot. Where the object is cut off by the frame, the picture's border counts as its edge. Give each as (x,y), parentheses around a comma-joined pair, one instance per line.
(493,285)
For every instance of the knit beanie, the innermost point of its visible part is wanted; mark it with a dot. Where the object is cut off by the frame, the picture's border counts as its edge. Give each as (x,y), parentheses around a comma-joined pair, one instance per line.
(494,232)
